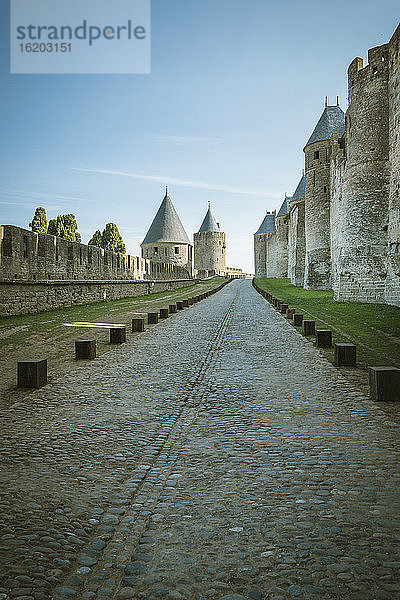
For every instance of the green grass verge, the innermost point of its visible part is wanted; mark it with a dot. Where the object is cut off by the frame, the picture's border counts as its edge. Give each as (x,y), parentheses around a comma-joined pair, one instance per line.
(51,319)
(374,328)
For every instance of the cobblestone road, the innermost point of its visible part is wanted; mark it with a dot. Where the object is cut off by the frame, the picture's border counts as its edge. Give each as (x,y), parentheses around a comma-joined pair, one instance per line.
(217,455)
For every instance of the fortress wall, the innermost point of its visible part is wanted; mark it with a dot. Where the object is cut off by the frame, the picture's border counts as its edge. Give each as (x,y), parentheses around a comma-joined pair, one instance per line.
(210,251)
(281,247)
(163,253)
(317,274)
(25,255)
(336,209)
(392,291)
(19,297)
(260,255)
(296,244)
(41,272)
(362,240)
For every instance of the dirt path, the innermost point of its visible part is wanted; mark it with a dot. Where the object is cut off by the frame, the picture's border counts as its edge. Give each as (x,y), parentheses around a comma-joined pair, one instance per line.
(51,334)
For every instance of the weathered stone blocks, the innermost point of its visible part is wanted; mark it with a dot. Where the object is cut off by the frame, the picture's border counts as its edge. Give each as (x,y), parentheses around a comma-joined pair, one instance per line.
(137,325)
(172,308)
(85,349)
(152,318)
(164,313)
(117,335)
(32,373)
(298,319)
(345,355)
(324,338)
(384,383)
(308,327)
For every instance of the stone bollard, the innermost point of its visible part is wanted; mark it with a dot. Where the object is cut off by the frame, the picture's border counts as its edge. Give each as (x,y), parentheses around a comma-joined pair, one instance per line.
(117,335)
(308,327)
(384,384)
(137,325)
(278,304)
(190,301)
(324,338)
(185,303)
(345,355)
(297,319)
(290,312)
(172,308)
(164,313)
(284,308)
(85,349)
(152,318)
(32,373)
(179,305)
(273,301)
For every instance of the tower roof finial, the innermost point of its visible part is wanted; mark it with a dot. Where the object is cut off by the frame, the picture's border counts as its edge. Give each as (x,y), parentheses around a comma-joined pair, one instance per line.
(337,100)
(166,190)
(209,204)
(326,100)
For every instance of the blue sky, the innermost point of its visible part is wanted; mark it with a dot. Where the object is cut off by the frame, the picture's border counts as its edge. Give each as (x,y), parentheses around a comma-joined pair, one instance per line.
(235,90)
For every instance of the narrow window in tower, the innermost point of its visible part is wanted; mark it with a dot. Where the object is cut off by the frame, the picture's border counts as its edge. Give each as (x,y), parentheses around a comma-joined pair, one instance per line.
(325,189)
(316,155)
(155,250)
(176,249)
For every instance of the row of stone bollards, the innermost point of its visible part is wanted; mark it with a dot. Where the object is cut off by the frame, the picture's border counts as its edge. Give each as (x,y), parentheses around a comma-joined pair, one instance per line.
(33,373)
(384,382)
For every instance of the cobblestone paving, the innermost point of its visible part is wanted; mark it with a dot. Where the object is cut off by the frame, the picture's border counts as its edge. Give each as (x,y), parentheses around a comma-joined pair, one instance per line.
(216,456)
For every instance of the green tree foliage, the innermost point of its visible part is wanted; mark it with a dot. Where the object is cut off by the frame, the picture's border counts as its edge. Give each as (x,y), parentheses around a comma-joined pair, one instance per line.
(97,239)
(39,221)
(64,226)
(110,239)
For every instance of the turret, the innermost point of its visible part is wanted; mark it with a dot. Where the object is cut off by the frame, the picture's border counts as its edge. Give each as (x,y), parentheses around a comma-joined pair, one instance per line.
(317,198)
(210,247)
(166,240)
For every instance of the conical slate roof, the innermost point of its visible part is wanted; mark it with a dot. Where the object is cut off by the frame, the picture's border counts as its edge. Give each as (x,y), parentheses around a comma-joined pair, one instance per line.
(331,121)
(166,225)
(209,223)
(268,224)
(300,190)
(284,209)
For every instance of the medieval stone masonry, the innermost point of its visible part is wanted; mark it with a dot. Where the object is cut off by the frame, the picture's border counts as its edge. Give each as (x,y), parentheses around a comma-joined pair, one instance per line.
(341,228)
(210,248)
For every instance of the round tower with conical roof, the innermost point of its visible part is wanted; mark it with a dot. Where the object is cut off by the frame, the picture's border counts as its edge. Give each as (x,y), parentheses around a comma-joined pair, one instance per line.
(210,247)
(317,198)
(166,240)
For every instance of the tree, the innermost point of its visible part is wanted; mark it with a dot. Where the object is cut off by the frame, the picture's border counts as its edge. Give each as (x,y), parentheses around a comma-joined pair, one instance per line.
(64,226)
(97,239)
(39,221)
(112,239)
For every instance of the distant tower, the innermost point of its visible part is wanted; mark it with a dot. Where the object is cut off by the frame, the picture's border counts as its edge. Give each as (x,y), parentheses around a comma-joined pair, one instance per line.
(261,238)
(317,198)
(166,240)
(210,246)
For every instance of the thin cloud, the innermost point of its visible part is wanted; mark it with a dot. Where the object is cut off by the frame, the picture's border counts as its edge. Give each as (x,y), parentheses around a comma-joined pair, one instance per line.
(182,182)
(161,138)
(29,194)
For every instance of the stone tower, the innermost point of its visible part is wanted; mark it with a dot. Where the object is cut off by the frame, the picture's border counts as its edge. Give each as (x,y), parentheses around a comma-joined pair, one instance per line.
(296,241)
(317,152)
(361,247)
(210,247)
(166,240)
(261,239)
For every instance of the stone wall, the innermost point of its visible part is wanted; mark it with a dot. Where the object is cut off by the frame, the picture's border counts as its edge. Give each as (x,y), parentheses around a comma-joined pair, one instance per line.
(392,290)
(38,256)
(296,243)
(41,272)
(317,273)
(210,251)
(361,241)
(19,297)
(260,257)
(167,253)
